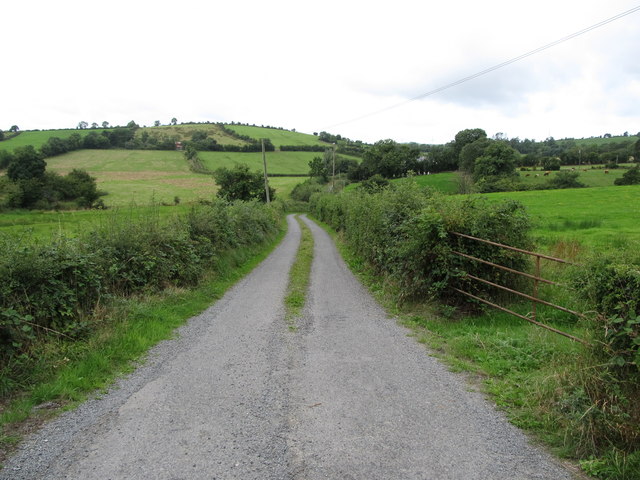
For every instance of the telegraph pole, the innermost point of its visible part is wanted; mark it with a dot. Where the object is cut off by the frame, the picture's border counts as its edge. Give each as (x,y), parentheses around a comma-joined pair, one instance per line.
(266,180)
(333,174)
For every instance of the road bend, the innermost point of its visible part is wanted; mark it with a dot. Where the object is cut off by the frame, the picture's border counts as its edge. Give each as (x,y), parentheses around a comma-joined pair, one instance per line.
(238,395)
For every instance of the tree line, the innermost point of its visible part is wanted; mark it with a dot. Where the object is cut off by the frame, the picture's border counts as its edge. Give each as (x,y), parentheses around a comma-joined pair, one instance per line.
(487,164)
(28,184)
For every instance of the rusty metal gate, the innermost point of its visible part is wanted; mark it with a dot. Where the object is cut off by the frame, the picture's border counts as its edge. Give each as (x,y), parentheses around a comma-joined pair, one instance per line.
(535,277)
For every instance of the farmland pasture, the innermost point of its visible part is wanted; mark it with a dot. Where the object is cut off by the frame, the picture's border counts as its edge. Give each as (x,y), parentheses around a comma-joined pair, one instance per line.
(39,138)
(281,163)
(446,182)
(185,132)
(596,218)
(144,177)
(138,177)
(277,137)
(592,177)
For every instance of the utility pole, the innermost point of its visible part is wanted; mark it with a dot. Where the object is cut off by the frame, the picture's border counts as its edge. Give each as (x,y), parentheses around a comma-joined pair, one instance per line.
(266,180)
(333,173)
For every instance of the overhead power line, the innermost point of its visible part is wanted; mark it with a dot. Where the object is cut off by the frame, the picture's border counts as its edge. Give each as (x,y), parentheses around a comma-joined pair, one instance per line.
(495,67)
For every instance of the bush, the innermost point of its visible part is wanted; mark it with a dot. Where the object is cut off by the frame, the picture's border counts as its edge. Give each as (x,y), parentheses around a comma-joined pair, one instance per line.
(565,179)
(630,177)
(551,163)
(403,232)
(374,183)
(302,192)
(239,183)
(57,287)
(611,284)
(52,287)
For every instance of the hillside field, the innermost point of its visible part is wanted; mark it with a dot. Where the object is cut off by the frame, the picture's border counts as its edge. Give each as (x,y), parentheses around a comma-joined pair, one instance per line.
(145,177)
(277,137)
(282,163)
(39,138)
(186,131)
(182,132)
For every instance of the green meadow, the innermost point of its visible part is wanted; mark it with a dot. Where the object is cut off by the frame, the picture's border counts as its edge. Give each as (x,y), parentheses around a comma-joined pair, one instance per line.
(446,182)
(39,138)
(29,225)
(594,218)
(277,137)
(591,177)
(186,131)
(143,177)
(281,163)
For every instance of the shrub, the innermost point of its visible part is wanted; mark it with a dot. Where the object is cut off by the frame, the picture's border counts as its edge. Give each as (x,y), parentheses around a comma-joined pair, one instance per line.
(565,179)
(403,232)
(374,183)
(551,163)
(630,177)
(56,287)
(302,192)
(611,284)
(239,183)
(52,287)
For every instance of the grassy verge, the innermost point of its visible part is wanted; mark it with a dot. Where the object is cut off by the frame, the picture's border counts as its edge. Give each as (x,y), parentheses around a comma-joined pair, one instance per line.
(299,277)
(71,371)
(539,379)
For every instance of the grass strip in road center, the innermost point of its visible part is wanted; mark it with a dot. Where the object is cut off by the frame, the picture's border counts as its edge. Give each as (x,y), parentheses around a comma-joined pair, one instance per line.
(299,277)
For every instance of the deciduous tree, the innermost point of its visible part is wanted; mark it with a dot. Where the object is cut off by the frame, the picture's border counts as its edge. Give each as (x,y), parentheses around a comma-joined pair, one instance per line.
(26,164)
(239,183)
(498,159)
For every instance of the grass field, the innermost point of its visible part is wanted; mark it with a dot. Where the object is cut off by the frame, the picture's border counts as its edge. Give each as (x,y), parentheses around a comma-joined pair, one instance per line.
(277,137)
(592,177)
(138,177)
(46,225)
(595,218)
(39,138)
(185,132)
(444,182)
(283,163)
(145,177)
(602,141)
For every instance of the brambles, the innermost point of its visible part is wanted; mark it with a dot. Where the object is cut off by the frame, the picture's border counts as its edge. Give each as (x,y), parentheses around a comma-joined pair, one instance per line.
(56,288)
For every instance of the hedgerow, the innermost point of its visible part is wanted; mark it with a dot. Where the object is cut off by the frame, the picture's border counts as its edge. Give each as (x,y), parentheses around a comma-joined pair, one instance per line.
(54,289)
(405,233)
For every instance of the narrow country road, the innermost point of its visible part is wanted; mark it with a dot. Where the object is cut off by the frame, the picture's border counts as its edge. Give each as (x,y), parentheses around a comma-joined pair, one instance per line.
(239,396)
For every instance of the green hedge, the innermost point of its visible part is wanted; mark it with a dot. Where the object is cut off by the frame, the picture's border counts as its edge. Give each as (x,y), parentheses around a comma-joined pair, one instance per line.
(404,233)
(57,287)
(610,283)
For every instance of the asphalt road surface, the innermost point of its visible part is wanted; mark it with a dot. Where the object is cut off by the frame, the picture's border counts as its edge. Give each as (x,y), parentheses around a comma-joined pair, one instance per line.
(238,395)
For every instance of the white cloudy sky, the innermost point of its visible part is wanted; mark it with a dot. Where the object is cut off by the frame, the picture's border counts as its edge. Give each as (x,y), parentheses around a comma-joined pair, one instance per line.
(316,66)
